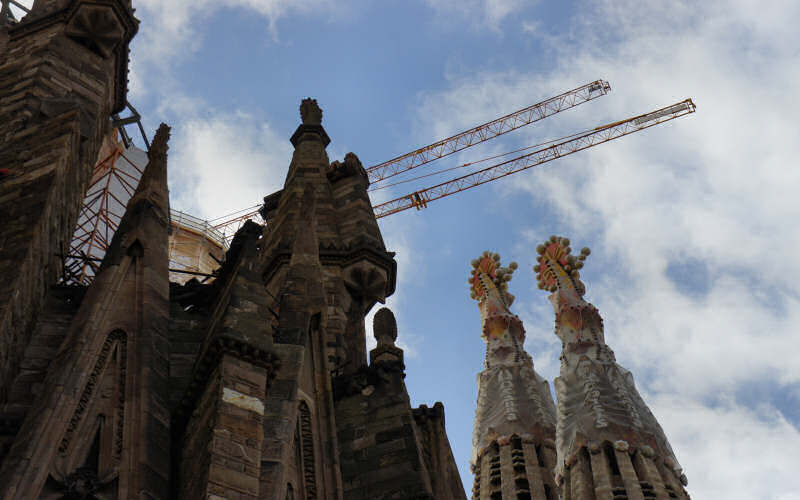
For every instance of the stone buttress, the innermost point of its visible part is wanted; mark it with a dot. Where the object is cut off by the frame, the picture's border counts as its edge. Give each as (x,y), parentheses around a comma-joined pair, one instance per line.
(63,72)
(513,447)
(101,426)
(609,444)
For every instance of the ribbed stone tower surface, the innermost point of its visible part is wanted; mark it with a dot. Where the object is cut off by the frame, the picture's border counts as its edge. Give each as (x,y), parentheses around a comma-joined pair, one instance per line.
(610,445)
(513,448)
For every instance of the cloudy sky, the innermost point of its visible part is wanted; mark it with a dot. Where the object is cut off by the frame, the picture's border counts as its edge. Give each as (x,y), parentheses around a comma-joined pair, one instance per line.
(692,224)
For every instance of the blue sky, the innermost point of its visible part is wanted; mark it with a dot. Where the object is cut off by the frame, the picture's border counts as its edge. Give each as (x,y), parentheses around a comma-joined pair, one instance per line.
(692,224)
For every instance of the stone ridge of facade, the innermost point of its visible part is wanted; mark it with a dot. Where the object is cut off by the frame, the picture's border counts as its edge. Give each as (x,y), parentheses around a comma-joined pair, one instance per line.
(256,385)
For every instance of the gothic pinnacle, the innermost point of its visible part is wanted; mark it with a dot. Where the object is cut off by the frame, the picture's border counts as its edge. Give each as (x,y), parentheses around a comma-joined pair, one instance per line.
(310,112)
(311,128)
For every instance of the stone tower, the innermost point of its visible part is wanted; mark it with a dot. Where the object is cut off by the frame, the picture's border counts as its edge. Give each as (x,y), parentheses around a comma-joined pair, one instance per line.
(513,447)
(255,385)
(63,71)
(609,444)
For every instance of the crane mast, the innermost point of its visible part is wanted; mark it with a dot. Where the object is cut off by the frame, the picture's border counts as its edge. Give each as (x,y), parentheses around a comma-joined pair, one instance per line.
(598,135)
(489,130)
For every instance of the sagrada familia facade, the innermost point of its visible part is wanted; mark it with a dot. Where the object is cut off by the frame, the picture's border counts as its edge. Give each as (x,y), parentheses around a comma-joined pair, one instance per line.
(258,384)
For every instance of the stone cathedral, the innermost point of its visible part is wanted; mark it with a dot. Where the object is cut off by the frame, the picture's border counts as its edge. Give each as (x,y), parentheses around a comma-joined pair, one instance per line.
(258,384)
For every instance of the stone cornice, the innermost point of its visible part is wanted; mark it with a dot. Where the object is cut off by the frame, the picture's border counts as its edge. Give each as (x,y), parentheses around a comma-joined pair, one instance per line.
(208,362)
(331,255)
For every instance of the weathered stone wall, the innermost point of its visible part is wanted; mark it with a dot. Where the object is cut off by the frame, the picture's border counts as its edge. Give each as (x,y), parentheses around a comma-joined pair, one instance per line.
(279,466)
(112,367)
(55,100)
(381,451)
(439,460)
(224,331)
(60,308)
(188,319)
(357,223)
(222,450)
(195,459)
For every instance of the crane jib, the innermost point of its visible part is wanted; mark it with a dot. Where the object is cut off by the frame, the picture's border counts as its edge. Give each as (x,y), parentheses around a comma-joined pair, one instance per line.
(488,131)
(419,199)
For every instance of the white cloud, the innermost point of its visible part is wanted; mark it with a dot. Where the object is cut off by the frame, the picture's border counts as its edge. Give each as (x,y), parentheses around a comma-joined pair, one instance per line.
(176,18)
(717,187)
(224,163)
(168,32)
(488,13)
(746,453)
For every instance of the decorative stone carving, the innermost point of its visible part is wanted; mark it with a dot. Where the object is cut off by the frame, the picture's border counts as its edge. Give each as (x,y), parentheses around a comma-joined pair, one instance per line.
(307,451)
(114,338)
(349,167)
(384,327)
(83,484)
(366,281)
(310,112)
(621,445)
(97,27)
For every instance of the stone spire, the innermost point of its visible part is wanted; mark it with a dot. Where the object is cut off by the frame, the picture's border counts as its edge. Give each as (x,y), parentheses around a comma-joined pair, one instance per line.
(609,443)
(513,448)
(121,332)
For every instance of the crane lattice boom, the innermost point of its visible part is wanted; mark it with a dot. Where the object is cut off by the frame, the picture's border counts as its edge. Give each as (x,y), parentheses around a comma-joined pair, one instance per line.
(458,142)
(599,135)
(490,130)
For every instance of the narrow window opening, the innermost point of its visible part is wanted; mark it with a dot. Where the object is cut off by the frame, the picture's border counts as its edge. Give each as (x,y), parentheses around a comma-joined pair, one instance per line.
(539,459)
(612,460)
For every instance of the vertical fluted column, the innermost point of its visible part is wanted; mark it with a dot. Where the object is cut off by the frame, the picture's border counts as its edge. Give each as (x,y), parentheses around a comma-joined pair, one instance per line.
(581,477)
(601,473)
(648,474)
(533,471)
(485,488)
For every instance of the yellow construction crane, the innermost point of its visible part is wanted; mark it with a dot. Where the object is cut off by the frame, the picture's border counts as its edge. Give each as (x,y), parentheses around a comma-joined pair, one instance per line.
(546,151)
(115,175)
(562,147)
(489,130)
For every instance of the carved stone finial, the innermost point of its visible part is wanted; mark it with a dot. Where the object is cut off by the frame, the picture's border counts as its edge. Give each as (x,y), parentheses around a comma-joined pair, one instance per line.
(384,327)
(159,145)
(558,267)
(310,112)
(488,267)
